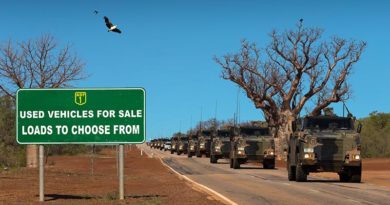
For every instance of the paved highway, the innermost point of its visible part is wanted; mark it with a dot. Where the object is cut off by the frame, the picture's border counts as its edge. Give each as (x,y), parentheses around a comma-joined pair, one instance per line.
(254,185)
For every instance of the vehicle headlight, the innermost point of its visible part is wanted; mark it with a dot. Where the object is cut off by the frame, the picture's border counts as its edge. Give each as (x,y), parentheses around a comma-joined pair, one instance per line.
(217,148)
(271,153)
(240,152)
(308,149)
(241,148)
(308,156)
(356,156)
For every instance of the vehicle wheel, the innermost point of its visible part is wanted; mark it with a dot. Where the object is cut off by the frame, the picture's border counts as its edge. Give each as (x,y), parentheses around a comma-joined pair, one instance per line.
(231,163)
(198,154)
(268,164)
(356,175)
(300,174)
(178,153)
(344,177)
(213,159)
(189,155)
(236,163)
(291,173)
(356,178)
(172,151)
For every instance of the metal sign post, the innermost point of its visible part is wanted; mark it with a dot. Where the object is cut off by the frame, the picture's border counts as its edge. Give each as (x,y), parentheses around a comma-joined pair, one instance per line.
(41,174)
(121,182)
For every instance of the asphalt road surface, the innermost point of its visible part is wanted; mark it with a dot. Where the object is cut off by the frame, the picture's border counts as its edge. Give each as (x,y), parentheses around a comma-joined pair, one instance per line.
(254,185)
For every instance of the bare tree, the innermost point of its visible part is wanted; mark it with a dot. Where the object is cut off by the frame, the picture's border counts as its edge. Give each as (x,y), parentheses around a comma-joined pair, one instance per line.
(39,63)
(294,68)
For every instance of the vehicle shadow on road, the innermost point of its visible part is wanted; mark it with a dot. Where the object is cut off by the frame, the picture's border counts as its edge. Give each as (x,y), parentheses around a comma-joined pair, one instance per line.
(144,196)
(324,181)
(53,197)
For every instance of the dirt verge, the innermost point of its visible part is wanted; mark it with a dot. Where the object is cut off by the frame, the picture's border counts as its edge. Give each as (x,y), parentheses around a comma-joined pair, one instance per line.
(69,180)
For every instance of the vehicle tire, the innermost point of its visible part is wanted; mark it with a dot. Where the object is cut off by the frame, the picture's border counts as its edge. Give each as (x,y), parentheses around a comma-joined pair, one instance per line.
(178,153)
(231,163)
(344,177)
(291,173)
(172,151)
(213,159)
(236,163)
(189,155)
(198,154)
(300,174)
(356,175)
(268,164)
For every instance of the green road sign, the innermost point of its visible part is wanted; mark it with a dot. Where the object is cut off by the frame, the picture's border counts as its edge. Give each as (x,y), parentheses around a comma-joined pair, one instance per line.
(80,116)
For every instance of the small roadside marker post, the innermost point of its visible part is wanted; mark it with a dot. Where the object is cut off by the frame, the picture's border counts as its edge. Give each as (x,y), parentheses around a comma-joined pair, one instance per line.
(41,174)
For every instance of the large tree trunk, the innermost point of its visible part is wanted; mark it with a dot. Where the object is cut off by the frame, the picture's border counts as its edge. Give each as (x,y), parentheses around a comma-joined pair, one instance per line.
(283,134)
(32,156)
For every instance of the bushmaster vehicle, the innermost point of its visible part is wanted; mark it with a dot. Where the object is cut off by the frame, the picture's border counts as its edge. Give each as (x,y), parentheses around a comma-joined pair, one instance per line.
(204,142)
(181,145)
(220,145)
(325,143)
(173,144)
(252,143)
(192,142)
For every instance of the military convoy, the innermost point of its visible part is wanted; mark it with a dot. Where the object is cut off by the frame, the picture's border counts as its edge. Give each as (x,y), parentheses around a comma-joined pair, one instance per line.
(324,143)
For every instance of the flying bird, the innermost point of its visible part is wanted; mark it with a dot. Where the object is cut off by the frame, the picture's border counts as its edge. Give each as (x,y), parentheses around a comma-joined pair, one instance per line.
(110,26)
(95,12)
(301,20)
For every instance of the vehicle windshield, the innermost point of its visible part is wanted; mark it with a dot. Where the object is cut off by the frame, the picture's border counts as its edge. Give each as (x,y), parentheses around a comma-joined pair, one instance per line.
(223,133)
(206,133)
(329,123)
(254,131)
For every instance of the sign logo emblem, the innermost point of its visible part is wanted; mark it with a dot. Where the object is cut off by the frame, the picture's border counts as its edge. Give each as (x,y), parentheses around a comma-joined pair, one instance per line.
(80,98)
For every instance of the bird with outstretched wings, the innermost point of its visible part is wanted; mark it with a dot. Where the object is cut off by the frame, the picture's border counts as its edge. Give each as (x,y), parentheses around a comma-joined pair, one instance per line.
(110,26)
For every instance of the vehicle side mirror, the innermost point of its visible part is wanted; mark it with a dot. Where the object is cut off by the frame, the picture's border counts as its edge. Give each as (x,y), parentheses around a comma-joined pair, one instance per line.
(359,128)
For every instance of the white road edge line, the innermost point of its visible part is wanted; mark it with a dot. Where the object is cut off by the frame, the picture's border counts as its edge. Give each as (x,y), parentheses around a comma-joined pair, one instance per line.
(205,188)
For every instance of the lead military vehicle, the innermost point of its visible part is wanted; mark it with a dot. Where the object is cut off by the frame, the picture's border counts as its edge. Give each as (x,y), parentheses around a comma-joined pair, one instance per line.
(204,142)
(325,143)
(252,143)
(220,145)
(192,143)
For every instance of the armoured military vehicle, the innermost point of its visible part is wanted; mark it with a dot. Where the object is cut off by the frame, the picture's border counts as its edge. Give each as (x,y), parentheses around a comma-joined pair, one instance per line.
(173,144)
(220,145)
(204,142)
(181,145)
(192,142)
(325,143)
(252,143)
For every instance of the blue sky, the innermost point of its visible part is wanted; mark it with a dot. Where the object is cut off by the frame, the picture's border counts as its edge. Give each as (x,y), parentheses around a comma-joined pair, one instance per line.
(167,48)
